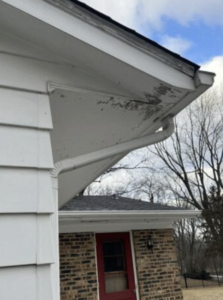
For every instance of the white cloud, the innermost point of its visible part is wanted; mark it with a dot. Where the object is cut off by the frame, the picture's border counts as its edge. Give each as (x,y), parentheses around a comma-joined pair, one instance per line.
(135,13)
(123,11)
(184,12)
(176,44)
(215,65)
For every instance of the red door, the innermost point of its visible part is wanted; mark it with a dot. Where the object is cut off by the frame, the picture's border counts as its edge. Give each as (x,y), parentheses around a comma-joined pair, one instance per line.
(115,268)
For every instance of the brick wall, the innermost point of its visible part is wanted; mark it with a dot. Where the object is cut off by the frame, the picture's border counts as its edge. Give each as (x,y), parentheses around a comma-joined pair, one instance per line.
(158,273)
(77,266)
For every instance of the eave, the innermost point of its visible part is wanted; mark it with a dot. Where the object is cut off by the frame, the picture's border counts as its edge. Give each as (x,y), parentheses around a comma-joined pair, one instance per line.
(127,88)
(108,25)
(174,71)
(105,221)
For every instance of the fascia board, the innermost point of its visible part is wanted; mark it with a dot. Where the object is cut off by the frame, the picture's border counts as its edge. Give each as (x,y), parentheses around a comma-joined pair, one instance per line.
(98,19)
(112,227)
(117,221)
(112,215)
(101,40)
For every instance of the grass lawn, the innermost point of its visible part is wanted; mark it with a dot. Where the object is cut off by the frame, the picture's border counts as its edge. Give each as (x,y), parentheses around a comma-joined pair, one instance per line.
(207,293)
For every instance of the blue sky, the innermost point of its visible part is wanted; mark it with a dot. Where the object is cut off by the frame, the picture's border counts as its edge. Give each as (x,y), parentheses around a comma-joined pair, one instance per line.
(196,41)
(192,28)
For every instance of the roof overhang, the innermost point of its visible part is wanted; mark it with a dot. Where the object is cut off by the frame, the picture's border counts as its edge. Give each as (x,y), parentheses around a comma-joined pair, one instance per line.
(127,86)
(108,221)
(62,28)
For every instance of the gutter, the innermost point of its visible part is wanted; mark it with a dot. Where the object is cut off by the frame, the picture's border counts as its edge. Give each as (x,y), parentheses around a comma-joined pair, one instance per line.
(114,221)
(70,164)
(134,214)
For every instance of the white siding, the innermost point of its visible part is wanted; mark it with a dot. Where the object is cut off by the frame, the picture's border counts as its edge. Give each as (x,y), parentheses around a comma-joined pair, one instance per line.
(27,242)
(24,109)
(22,147)
(25,191)
(26,283)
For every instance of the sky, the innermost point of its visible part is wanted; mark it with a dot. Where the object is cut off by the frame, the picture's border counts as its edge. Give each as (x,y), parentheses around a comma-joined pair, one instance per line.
(192,28)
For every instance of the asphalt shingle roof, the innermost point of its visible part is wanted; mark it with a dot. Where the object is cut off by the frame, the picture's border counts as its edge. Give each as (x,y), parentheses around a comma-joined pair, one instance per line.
(111,203)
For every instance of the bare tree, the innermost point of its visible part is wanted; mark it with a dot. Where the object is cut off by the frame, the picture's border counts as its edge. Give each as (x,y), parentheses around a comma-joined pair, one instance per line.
(190,245)
(192,160)
(184,167)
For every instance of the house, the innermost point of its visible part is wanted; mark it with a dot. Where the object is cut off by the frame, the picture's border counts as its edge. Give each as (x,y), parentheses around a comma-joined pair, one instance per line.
(118,248)
(78,92)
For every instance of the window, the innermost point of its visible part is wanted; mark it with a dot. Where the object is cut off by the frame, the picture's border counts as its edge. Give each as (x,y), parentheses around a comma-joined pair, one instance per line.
(115,266)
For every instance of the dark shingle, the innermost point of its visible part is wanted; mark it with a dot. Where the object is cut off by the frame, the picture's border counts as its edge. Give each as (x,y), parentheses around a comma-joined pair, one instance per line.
(109,203)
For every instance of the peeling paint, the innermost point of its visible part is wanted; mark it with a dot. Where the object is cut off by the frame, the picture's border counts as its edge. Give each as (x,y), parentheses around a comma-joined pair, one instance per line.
(147,109)
(165,90)
(152,99)
(150,106)
(162,90)
(132,105)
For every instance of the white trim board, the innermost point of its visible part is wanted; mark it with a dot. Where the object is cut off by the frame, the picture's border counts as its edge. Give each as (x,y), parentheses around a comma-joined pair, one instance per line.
(116,221)
(134,266)
(124,214)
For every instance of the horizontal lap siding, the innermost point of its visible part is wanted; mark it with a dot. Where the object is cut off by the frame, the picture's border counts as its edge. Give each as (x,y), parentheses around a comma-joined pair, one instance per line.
(22,147)
(26,283)
(26,200)
(25,240)
(30,191)
(24,109)
(158,272)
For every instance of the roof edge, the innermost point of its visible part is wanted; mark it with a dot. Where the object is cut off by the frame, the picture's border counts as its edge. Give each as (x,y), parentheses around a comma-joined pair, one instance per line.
(131,31)
(115,221)
(105,23)
(114,214)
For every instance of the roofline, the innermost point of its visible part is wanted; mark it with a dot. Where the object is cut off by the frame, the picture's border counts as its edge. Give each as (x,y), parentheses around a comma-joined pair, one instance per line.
(82,26)
(132,32)
(114,221)
(117,214)
(134,39)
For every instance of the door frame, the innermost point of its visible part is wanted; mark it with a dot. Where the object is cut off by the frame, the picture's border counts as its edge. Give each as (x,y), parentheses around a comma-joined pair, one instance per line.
(134,265)
(134,270)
